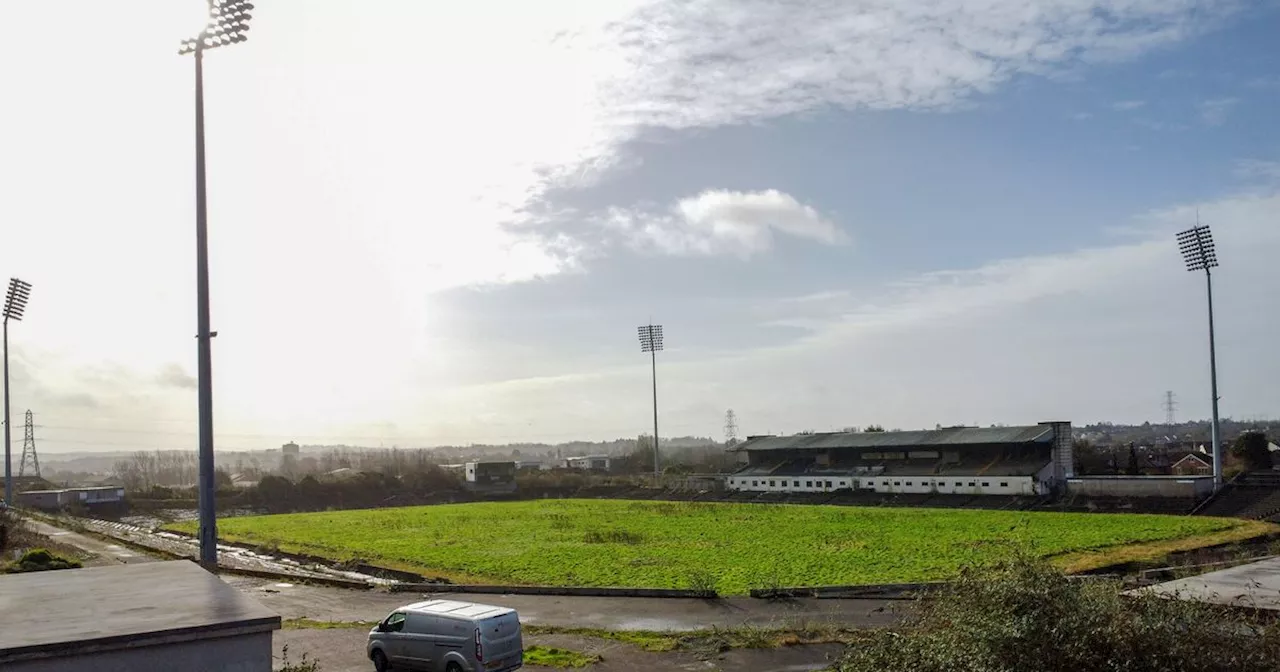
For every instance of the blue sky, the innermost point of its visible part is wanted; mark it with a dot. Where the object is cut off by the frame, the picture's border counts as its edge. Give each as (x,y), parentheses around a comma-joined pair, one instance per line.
(442,224)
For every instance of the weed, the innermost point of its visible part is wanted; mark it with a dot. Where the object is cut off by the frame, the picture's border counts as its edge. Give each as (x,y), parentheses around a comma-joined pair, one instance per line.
(702,582)
(302,665)
(547,656)
(613,537)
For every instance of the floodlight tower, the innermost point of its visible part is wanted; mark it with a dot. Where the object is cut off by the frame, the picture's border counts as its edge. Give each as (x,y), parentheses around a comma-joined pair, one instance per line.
(651,342)
(15,302)
(1197,249)
(227,23)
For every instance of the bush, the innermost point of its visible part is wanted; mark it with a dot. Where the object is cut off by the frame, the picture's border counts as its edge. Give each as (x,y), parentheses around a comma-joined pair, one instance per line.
(39,560)
(1023,614)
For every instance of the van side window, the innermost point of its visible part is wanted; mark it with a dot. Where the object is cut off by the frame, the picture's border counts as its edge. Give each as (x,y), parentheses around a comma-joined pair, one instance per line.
(394,623)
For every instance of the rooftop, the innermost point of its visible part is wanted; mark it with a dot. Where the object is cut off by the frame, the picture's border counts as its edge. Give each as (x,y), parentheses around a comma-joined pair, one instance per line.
(926,439)
(68,611)
(456,608)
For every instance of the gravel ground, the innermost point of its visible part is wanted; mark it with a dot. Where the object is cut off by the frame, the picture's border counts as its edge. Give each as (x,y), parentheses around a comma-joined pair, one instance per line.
(342,650)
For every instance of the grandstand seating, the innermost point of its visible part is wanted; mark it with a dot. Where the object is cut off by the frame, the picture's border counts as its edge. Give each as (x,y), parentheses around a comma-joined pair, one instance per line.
(1254,495)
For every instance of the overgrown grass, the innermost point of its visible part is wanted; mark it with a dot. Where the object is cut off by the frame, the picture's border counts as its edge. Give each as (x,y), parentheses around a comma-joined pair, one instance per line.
(732,547)
(548,656)
(1024,614)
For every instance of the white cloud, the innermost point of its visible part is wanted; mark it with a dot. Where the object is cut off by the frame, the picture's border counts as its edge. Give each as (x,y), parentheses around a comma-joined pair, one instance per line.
(1214,112)
(1082,116)
(726,222)
(1259,171)
(1127,105)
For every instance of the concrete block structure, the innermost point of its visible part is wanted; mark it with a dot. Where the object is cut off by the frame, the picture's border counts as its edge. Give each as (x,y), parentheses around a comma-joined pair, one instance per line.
(126,618)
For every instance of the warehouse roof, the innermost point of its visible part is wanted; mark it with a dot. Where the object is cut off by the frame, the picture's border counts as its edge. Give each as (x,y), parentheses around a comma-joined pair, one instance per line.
(933,438)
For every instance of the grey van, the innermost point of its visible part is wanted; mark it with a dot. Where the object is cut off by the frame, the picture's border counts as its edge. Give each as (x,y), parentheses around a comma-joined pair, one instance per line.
(448,636)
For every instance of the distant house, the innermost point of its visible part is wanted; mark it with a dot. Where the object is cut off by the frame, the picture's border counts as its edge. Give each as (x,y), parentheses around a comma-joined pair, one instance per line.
(587,462)
(1192,464)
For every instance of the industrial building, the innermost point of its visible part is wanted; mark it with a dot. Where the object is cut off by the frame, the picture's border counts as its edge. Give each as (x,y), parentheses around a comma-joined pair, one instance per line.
(492,477)
(1022,460)
(588,462)
(52,500)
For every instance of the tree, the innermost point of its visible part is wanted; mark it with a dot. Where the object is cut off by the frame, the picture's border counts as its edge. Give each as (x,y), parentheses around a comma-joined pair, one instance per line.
(1133,469)
(1251,448)
(874,428)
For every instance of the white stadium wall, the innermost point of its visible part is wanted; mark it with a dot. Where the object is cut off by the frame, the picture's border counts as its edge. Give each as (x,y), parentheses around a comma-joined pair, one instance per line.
(948,485)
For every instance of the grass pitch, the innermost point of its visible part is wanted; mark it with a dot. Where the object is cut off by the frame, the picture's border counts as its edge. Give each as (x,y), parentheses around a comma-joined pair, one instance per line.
(728,547)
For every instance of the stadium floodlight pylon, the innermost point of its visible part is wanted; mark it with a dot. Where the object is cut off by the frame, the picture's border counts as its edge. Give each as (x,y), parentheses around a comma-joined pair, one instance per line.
(15,304)
(226,23)
(1196,245)
(651,342)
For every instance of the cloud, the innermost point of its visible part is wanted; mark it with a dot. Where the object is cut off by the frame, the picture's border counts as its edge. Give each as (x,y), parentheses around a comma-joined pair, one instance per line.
(1087,334)
(725,222)
(172,375)
(1127,105)
(1082,116)
(1214,112)
(1258,171)
(674,65)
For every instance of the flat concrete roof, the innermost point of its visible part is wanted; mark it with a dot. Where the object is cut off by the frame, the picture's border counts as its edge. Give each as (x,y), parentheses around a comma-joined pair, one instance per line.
(1255,585)
(73,611)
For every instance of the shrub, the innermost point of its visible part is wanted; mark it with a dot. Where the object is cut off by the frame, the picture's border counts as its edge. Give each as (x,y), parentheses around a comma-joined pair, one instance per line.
(1022,614)
(39,560)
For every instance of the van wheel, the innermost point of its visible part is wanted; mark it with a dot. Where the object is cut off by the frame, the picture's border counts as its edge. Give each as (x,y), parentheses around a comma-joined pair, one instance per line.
(453,667)
(380,661)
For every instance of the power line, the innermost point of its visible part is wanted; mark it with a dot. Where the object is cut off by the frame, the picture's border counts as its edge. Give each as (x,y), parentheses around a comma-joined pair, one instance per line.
(730,427)
(1169,406)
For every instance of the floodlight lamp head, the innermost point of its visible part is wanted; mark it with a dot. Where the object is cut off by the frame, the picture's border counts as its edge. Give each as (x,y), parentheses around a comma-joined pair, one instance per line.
(228,21)
(1196,245)
(15,300)
(650,337)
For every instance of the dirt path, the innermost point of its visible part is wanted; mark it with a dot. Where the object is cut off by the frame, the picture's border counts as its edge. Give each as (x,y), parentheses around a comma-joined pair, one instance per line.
(103,552)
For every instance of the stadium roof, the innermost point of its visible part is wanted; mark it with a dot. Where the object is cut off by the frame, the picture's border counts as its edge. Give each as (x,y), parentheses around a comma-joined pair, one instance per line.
(932,438)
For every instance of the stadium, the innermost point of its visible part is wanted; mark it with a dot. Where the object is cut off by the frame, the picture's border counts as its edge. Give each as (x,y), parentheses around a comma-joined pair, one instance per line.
(1020,460)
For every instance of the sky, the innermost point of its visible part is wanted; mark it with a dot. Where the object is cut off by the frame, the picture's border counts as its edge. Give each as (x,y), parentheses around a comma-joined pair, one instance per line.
(441,223)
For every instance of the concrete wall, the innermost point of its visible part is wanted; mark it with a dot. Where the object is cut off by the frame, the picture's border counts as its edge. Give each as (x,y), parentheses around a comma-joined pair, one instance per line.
(240,653)
(1140,486)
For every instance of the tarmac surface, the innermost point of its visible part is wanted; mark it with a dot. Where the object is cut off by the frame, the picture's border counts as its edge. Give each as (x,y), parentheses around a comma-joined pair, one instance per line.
(292,601)
(343,650)
(1255,585)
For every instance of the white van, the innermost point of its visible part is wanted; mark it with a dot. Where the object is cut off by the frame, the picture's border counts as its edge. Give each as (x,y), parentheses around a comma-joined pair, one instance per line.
(448,636)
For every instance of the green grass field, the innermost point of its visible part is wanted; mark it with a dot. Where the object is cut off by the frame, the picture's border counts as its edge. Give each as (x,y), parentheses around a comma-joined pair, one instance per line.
(733,547)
